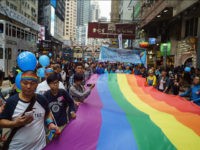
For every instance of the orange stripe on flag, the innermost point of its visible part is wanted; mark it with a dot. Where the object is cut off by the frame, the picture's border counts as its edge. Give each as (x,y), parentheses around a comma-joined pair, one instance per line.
(188,119)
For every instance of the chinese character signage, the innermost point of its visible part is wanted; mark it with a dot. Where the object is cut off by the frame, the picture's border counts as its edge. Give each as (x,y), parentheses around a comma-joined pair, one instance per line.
(111,30)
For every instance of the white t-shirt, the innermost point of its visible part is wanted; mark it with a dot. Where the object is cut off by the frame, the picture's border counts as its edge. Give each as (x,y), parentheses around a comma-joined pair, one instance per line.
(32,135)
(161,86)
(43,87)
(119,71)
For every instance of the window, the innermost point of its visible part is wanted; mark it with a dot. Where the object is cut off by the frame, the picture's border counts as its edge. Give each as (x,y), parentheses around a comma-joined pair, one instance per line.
(22,34)
(33,1)
(7,29)
(29,36)
(7,3)
(8,53)
(33,37)
(15,8)
(13,31)
(1,53)
(1,28)
(191,26)
(36,37)
(18,33)
(10,30)
(33,11)
(26,36)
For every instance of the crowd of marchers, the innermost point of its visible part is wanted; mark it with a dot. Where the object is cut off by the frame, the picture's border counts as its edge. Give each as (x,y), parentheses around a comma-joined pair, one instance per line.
(44,106)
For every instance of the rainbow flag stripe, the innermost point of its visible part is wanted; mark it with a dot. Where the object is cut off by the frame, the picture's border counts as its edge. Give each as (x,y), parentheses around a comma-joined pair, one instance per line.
(122,114)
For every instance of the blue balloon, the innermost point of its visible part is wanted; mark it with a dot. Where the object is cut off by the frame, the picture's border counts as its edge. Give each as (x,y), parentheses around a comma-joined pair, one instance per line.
(17,80)
(187,69)
(50,54)
(27,61)
(41,72)
(44,60)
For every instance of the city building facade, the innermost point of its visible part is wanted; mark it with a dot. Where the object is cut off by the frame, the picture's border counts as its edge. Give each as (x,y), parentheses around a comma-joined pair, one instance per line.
(83,12)
(115,11)
(125,11)
(94,11)
(52,17)
(81,34)
(18,31)
(83,17)
(174,22)
(27,8)
(70,20)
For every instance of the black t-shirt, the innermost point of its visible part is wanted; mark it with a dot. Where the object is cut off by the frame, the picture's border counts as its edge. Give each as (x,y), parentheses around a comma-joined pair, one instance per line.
(58,105)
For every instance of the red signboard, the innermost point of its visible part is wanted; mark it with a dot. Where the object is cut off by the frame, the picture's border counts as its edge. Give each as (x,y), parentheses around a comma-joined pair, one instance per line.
(111,30)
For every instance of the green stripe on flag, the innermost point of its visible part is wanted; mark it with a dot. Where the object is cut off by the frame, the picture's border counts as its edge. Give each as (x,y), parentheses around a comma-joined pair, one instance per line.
(148,136)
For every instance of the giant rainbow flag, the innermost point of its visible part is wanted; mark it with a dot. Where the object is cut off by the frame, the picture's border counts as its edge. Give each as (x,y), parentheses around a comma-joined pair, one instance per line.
(122,114)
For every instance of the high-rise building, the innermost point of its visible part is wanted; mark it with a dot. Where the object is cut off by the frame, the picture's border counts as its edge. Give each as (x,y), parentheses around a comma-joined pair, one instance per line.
(115,10)
(81,35)
(70,20)
(28,8)
(52,16)
(125,12)
(83,17)
(83,12)
(59,19)
(94,11)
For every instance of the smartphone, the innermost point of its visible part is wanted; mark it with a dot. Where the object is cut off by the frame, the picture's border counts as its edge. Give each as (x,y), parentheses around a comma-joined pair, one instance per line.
(89,85)
(29,113)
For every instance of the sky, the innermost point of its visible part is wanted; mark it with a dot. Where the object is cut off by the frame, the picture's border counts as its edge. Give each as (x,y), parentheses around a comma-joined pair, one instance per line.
(105,8)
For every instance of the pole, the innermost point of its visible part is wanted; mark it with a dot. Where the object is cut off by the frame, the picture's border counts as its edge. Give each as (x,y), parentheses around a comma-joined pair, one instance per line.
(165,57)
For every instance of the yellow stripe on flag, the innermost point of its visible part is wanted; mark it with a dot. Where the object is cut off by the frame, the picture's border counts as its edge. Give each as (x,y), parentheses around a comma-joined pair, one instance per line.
(182,137)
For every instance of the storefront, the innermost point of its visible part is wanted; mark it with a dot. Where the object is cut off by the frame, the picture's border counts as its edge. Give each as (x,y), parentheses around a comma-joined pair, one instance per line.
(187,52)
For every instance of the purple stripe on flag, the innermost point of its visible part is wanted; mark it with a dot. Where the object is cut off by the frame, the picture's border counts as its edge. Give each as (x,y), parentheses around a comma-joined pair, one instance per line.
(82,133)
